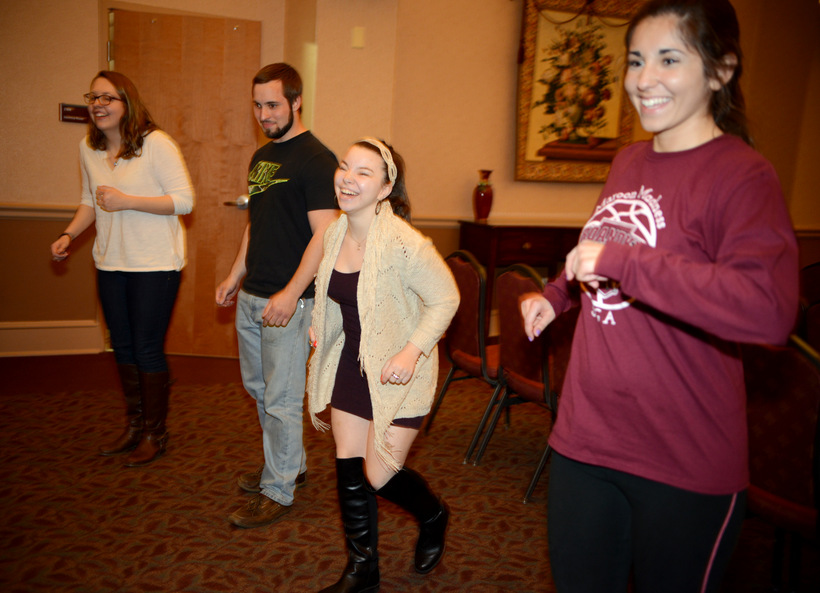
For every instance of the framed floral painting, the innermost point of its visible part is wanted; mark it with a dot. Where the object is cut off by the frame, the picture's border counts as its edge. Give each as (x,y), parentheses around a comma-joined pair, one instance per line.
(573,115)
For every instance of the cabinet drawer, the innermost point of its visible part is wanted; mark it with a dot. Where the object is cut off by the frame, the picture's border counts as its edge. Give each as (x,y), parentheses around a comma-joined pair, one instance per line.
(535,246)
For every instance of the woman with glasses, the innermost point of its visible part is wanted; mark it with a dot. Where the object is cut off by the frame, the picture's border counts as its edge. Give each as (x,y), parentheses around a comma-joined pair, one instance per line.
(135,186)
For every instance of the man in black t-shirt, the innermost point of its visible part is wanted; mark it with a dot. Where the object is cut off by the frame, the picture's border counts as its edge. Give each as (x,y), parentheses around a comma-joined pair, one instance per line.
(292,201)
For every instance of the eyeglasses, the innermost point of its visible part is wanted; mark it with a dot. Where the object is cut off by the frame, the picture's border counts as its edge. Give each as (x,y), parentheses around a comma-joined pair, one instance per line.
(104,100)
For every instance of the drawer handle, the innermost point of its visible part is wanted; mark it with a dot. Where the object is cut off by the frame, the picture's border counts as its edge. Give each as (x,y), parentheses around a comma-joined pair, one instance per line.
(526,246)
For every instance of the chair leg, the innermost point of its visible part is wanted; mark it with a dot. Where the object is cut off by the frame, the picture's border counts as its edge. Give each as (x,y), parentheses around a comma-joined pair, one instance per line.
(778,551)
(481,424)
(538,471)
(795,561)
(439,399)
(491,428)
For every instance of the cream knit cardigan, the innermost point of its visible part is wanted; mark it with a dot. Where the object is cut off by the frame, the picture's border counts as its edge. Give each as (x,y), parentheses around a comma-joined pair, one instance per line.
(406,292)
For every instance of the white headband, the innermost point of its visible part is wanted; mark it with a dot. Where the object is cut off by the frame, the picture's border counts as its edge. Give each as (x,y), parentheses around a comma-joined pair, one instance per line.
(392,171)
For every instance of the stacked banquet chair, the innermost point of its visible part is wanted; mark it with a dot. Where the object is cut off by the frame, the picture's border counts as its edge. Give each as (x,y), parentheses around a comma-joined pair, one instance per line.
(783,395)
(560,335)
(809,324)
(465,341)
(529,372)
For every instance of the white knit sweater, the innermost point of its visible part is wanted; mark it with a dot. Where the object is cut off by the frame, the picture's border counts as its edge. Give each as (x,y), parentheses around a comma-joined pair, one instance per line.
(406,292)
(129,240)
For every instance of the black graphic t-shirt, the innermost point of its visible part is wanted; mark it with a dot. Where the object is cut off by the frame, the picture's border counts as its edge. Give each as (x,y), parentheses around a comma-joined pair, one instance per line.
(286,180)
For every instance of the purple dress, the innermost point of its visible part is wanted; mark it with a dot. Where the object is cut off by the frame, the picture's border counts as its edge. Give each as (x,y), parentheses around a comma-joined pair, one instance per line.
(350,392)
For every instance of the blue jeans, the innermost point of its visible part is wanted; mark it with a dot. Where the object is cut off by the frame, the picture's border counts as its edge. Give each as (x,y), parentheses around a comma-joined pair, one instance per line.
(273,361)
(137,308)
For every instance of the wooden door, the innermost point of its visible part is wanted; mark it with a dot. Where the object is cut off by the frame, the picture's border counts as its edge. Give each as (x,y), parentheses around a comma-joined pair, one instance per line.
(194,74)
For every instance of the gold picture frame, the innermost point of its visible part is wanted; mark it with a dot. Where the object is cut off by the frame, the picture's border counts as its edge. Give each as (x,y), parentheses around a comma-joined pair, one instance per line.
(572,112)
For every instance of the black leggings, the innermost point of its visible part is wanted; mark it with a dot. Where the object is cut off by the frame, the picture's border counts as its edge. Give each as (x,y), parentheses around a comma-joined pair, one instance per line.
(604,523)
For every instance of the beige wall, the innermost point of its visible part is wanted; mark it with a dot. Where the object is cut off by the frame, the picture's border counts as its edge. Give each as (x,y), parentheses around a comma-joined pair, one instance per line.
(49,51)
(300,50)
(804,195)
(354,93)
(455,107)
(781,43)
(436,78)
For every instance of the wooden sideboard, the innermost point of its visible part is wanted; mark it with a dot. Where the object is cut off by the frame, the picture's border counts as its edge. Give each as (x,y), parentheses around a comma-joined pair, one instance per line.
(497,246)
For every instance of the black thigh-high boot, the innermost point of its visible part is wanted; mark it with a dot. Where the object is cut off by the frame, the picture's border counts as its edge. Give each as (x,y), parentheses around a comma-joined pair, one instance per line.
(410,491)
(155,390)
(360,520)
(128,440)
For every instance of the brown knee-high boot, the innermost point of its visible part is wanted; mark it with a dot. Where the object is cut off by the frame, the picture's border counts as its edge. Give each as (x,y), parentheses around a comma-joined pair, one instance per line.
(410,491)
(128,440)
(360,520)
(155,387)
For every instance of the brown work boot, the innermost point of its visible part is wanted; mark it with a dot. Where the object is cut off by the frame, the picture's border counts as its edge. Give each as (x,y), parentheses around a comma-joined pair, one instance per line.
(259,511)
(249,482)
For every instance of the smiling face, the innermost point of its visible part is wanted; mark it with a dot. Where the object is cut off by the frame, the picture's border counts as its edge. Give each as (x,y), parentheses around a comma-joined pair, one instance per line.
(273,111)
(106,117)
(360,181)
(666,83)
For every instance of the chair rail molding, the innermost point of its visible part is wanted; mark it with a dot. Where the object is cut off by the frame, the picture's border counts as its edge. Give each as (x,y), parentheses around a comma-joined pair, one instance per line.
(42,211)
(46,338)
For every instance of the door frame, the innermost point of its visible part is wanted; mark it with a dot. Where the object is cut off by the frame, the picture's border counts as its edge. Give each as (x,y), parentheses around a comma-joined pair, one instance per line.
(106,9)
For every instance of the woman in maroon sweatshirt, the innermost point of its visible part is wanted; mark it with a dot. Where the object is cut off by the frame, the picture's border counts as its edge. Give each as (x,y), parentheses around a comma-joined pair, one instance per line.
(689,251)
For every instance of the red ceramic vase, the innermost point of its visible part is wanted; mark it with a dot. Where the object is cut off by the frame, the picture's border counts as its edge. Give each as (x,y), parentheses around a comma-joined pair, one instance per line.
(483,196)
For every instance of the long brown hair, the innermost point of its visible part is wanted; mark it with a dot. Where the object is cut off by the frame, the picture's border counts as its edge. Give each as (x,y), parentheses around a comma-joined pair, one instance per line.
(135,124)
(710,27)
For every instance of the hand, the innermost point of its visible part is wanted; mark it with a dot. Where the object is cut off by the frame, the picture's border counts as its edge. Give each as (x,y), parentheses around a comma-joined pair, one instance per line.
(226,292)
(60,249)
(537,313)
(312,337)
(110,199)
(581,263)
(279,310)
(399,369)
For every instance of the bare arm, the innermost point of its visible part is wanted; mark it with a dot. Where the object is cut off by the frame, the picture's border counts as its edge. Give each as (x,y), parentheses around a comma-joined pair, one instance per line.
(84,217)
(227,289)
(281,306)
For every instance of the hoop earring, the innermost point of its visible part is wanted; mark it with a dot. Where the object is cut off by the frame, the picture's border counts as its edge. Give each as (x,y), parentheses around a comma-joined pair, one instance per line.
(379,206)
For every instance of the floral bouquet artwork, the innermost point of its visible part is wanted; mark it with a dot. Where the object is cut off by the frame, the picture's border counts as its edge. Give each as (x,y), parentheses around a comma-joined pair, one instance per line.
(576,101)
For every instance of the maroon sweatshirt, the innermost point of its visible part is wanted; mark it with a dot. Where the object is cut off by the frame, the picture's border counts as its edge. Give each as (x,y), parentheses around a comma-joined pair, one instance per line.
(702,255)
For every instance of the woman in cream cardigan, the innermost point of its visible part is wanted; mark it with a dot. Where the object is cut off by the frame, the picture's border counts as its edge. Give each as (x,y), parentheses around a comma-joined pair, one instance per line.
(384,297)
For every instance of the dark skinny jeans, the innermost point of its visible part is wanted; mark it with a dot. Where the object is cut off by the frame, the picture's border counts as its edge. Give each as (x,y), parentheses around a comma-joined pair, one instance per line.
(137,308)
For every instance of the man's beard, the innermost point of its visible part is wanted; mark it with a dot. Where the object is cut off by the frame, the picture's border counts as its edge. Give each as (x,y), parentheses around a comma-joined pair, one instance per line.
(278,133)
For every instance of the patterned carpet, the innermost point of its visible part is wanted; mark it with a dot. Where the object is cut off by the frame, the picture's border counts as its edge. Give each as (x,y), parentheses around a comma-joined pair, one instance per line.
(74,521)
